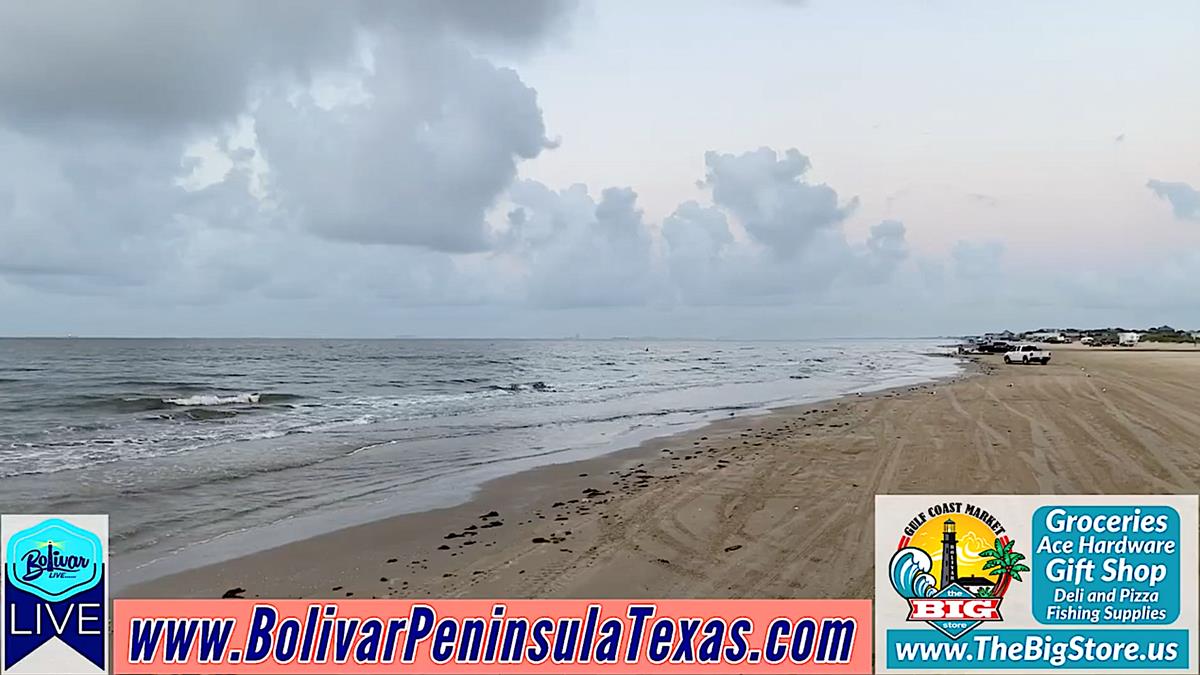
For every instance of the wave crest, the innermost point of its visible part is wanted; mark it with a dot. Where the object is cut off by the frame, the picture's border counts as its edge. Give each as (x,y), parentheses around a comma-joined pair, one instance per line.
(213,399)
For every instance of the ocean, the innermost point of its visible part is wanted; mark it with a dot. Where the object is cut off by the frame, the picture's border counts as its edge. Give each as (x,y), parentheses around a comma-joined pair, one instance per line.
(204,449)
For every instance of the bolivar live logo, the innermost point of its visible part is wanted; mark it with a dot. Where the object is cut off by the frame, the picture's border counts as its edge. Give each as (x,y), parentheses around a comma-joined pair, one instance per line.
(944,566)
(55,594)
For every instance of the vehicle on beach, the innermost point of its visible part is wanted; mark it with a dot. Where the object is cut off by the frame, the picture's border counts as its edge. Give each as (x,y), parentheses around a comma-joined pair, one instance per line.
(994,347)
(1087,340)
(1027,354)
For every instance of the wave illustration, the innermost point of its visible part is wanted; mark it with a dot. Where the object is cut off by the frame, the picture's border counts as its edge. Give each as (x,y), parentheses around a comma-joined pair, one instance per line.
(909,572)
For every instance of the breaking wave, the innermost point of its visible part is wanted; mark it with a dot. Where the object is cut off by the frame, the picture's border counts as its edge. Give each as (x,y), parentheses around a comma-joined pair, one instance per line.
(212,399)
(235,399)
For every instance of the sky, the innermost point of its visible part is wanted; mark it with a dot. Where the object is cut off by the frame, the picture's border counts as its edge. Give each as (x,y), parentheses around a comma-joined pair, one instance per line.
(539,168)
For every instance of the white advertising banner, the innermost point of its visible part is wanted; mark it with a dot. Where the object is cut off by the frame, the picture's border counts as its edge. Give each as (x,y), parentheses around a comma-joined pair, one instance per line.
(1036,584)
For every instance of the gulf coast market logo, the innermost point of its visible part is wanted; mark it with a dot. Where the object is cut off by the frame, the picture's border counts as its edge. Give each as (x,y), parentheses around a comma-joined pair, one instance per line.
(953,565)
(55,596)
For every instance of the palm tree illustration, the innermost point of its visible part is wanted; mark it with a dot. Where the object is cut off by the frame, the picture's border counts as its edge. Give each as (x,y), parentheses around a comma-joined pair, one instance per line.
(1005,563)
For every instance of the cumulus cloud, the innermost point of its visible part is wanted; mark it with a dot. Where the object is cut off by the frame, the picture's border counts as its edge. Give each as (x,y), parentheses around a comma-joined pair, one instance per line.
(576,251)
(772,199)
(418,163)
(886,250)
(567,248)
(1184,199)
(701,253)
(771,237)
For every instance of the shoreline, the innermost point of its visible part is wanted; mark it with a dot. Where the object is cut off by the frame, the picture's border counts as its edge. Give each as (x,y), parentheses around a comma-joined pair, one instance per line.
(774,505)
(226,499)
(563,482)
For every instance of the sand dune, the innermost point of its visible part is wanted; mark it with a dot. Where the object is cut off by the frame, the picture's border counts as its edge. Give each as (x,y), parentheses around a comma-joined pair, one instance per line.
(773,506)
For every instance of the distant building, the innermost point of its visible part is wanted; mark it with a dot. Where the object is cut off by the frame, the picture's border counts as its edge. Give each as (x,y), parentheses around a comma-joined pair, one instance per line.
(971,583)
(1052,337)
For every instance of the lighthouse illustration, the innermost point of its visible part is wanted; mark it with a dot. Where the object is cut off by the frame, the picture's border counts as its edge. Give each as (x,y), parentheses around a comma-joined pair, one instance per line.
(949,554)
(955,591)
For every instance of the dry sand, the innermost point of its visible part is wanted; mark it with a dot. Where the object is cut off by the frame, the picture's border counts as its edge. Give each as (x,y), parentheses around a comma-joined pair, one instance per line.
(778,505)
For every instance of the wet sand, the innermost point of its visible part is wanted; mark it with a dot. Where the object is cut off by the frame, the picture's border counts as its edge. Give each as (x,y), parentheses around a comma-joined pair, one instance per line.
(778,505)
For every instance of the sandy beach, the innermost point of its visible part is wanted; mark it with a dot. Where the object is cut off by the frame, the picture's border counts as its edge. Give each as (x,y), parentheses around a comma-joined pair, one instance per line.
(776,505)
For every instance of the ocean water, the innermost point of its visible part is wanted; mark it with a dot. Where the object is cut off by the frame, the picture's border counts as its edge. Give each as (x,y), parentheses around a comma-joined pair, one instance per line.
(204,449)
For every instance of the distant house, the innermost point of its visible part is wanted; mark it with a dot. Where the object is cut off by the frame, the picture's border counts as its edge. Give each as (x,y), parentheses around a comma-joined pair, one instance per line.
(1128,339)
(1053,337)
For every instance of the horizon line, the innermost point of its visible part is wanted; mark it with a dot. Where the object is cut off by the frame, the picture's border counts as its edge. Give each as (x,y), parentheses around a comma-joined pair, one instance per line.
(613,338)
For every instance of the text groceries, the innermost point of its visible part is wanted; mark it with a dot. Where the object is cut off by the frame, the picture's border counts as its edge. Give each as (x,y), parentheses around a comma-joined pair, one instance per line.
(517,636)
(1103,564)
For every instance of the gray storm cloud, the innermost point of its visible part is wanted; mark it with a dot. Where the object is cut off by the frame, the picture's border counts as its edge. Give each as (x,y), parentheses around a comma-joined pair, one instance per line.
(98,102)
(173,65)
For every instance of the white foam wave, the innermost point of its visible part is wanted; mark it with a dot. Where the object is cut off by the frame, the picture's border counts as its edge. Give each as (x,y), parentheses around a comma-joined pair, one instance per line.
(211,399)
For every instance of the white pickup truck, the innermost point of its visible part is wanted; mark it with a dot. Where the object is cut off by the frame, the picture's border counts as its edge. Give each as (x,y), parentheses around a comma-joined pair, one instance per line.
(1027,354)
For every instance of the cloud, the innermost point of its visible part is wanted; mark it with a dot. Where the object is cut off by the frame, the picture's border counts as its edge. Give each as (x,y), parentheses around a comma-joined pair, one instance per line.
(172,66)
(575,251)
(156,66)
(417,163)
(354,122)
(1185,199)
(886,250)
(293,157)
(771,237)
(95,212)
(702,257)
(769,195)
(566,248)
